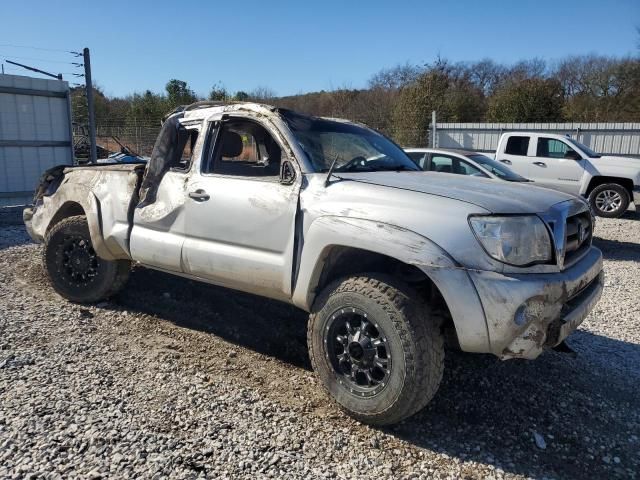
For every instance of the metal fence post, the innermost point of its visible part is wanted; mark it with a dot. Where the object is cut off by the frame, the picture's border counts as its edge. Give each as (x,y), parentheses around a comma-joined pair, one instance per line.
(433,129)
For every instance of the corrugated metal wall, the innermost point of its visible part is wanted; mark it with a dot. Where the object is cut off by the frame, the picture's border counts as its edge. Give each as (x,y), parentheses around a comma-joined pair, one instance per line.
(35,133)
(606,138)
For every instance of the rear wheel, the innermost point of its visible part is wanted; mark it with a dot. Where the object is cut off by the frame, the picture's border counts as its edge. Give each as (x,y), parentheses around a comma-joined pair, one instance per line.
(73,267)
(376,347)
(609,200)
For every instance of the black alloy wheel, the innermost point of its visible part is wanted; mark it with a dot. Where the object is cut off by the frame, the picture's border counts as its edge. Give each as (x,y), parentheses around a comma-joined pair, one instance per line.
(357,348)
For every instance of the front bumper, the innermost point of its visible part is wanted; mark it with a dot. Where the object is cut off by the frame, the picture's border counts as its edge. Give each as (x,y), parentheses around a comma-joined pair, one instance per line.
(528,313)
(636,196)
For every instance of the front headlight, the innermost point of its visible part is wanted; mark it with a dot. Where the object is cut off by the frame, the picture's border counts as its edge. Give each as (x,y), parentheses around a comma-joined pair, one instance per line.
(518,240)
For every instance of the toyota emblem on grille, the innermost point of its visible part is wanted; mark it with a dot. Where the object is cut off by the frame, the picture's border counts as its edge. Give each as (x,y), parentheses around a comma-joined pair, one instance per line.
(582,233)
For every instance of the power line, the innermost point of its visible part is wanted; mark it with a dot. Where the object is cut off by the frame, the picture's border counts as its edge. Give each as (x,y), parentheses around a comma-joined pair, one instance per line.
(36,48)
(37,59)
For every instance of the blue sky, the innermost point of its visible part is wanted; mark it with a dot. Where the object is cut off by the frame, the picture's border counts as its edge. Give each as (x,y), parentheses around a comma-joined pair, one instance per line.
(300,46)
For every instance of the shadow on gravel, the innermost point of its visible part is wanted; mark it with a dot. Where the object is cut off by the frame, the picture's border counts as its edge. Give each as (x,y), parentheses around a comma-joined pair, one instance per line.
(486,410)
(631,215)
(266,326)
(617,250)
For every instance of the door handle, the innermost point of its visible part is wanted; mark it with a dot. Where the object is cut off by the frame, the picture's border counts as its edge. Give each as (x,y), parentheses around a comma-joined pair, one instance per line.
(508,162)
(540,164)
(199,195)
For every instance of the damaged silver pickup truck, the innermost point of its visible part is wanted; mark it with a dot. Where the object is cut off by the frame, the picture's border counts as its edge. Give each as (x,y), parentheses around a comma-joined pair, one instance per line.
(334,218)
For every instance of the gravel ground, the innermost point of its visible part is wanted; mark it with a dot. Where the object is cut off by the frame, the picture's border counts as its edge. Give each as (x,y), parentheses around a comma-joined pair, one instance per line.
(175,379)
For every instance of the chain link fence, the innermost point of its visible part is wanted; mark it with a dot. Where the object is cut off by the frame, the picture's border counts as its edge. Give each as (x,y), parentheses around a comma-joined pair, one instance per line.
(140,138)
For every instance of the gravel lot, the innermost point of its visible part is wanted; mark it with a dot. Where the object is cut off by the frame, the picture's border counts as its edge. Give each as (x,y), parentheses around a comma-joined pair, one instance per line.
(174,379)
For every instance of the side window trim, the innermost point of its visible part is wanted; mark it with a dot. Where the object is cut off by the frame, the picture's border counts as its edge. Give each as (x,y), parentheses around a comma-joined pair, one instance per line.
(548,140)
(213,129)
(526,151)
(208,167)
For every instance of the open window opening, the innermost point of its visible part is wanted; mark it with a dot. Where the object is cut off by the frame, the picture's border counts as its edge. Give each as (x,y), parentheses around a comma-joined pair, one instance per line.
(186,144)
(173,150)
(245,148)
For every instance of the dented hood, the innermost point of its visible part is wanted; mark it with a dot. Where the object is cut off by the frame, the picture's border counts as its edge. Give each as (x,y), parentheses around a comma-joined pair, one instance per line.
(496,196)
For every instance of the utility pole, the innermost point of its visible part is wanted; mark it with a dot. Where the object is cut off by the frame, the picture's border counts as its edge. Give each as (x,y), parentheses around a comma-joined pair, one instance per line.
(93,153)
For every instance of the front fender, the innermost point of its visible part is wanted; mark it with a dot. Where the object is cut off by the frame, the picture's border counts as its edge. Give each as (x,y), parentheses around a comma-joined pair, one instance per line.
(452,280)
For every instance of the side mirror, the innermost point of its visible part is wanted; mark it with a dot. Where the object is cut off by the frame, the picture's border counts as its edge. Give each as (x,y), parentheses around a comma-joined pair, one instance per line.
(287,173)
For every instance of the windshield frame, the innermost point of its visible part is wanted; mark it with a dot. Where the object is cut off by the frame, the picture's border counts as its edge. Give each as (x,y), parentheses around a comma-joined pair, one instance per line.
(371,138)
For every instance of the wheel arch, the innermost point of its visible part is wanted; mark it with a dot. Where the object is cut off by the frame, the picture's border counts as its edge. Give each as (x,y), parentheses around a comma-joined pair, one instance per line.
(68,202)
(335,247)
(627,183)
(342,261)
(69,209)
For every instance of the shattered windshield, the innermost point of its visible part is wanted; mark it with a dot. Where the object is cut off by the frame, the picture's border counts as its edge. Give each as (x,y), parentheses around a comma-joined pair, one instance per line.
(354,148)
(497,168)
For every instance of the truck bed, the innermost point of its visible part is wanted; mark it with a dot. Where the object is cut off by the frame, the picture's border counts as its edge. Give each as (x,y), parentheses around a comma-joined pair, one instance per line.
(106,193)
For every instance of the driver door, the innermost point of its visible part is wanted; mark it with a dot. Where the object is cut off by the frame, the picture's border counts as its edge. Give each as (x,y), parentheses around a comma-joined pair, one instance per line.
(240,215)
(555,165)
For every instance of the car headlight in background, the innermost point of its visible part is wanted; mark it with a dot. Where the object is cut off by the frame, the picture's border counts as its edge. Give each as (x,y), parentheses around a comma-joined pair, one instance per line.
(516,240)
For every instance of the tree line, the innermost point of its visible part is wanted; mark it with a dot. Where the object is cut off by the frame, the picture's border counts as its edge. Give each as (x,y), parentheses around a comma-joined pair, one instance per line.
(399,100)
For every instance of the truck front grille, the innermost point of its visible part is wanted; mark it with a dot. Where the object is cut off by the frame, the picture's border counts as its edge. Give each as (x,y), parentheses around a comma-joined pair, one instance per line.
(578,233)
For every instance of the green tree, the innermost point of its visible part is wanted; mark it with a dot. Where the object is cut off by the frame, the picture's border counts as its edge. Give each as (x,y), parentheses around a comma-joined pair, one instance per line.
(147,108)
(79,108)
(241,96)
(527,100)
(447,91)
(179,93)
(218,93)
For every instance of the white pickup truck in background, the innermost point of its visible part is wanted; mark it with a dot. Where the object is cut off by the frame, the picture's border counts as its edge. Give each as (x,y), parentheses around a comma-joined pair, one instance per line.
(562,163)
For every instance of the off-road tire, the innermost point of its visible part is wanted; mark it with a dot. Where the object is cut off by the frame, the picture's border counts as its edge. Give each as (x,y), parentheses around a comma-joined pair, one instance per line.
(108,277)
(613,188)
(414,337)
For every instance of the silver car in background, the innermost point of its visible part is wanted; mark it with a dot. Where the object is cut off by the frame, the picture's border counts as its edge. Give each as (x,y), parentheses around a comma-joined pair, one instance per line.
(462,162)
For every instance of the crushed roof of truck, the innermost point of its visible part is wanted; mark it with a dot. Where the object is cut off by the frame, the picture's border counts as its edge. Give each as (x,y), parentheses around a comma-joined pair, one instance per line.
(201,110)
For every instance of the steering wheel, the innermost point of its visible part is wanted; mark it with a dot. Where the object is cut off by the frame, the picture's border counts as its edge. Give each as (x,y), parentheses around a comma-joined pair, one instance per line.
(354,163)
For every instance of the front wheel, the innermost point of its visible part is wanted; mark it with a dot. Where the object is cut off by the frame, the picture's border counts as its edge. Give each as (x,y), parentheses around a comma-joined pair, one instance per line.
(74,269)
(376,347)
(609,200)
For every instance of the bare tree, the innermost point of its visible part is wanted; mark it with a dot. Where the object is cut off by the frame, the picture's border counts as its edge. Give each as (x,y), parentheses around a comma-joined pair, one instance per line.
(262,94)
